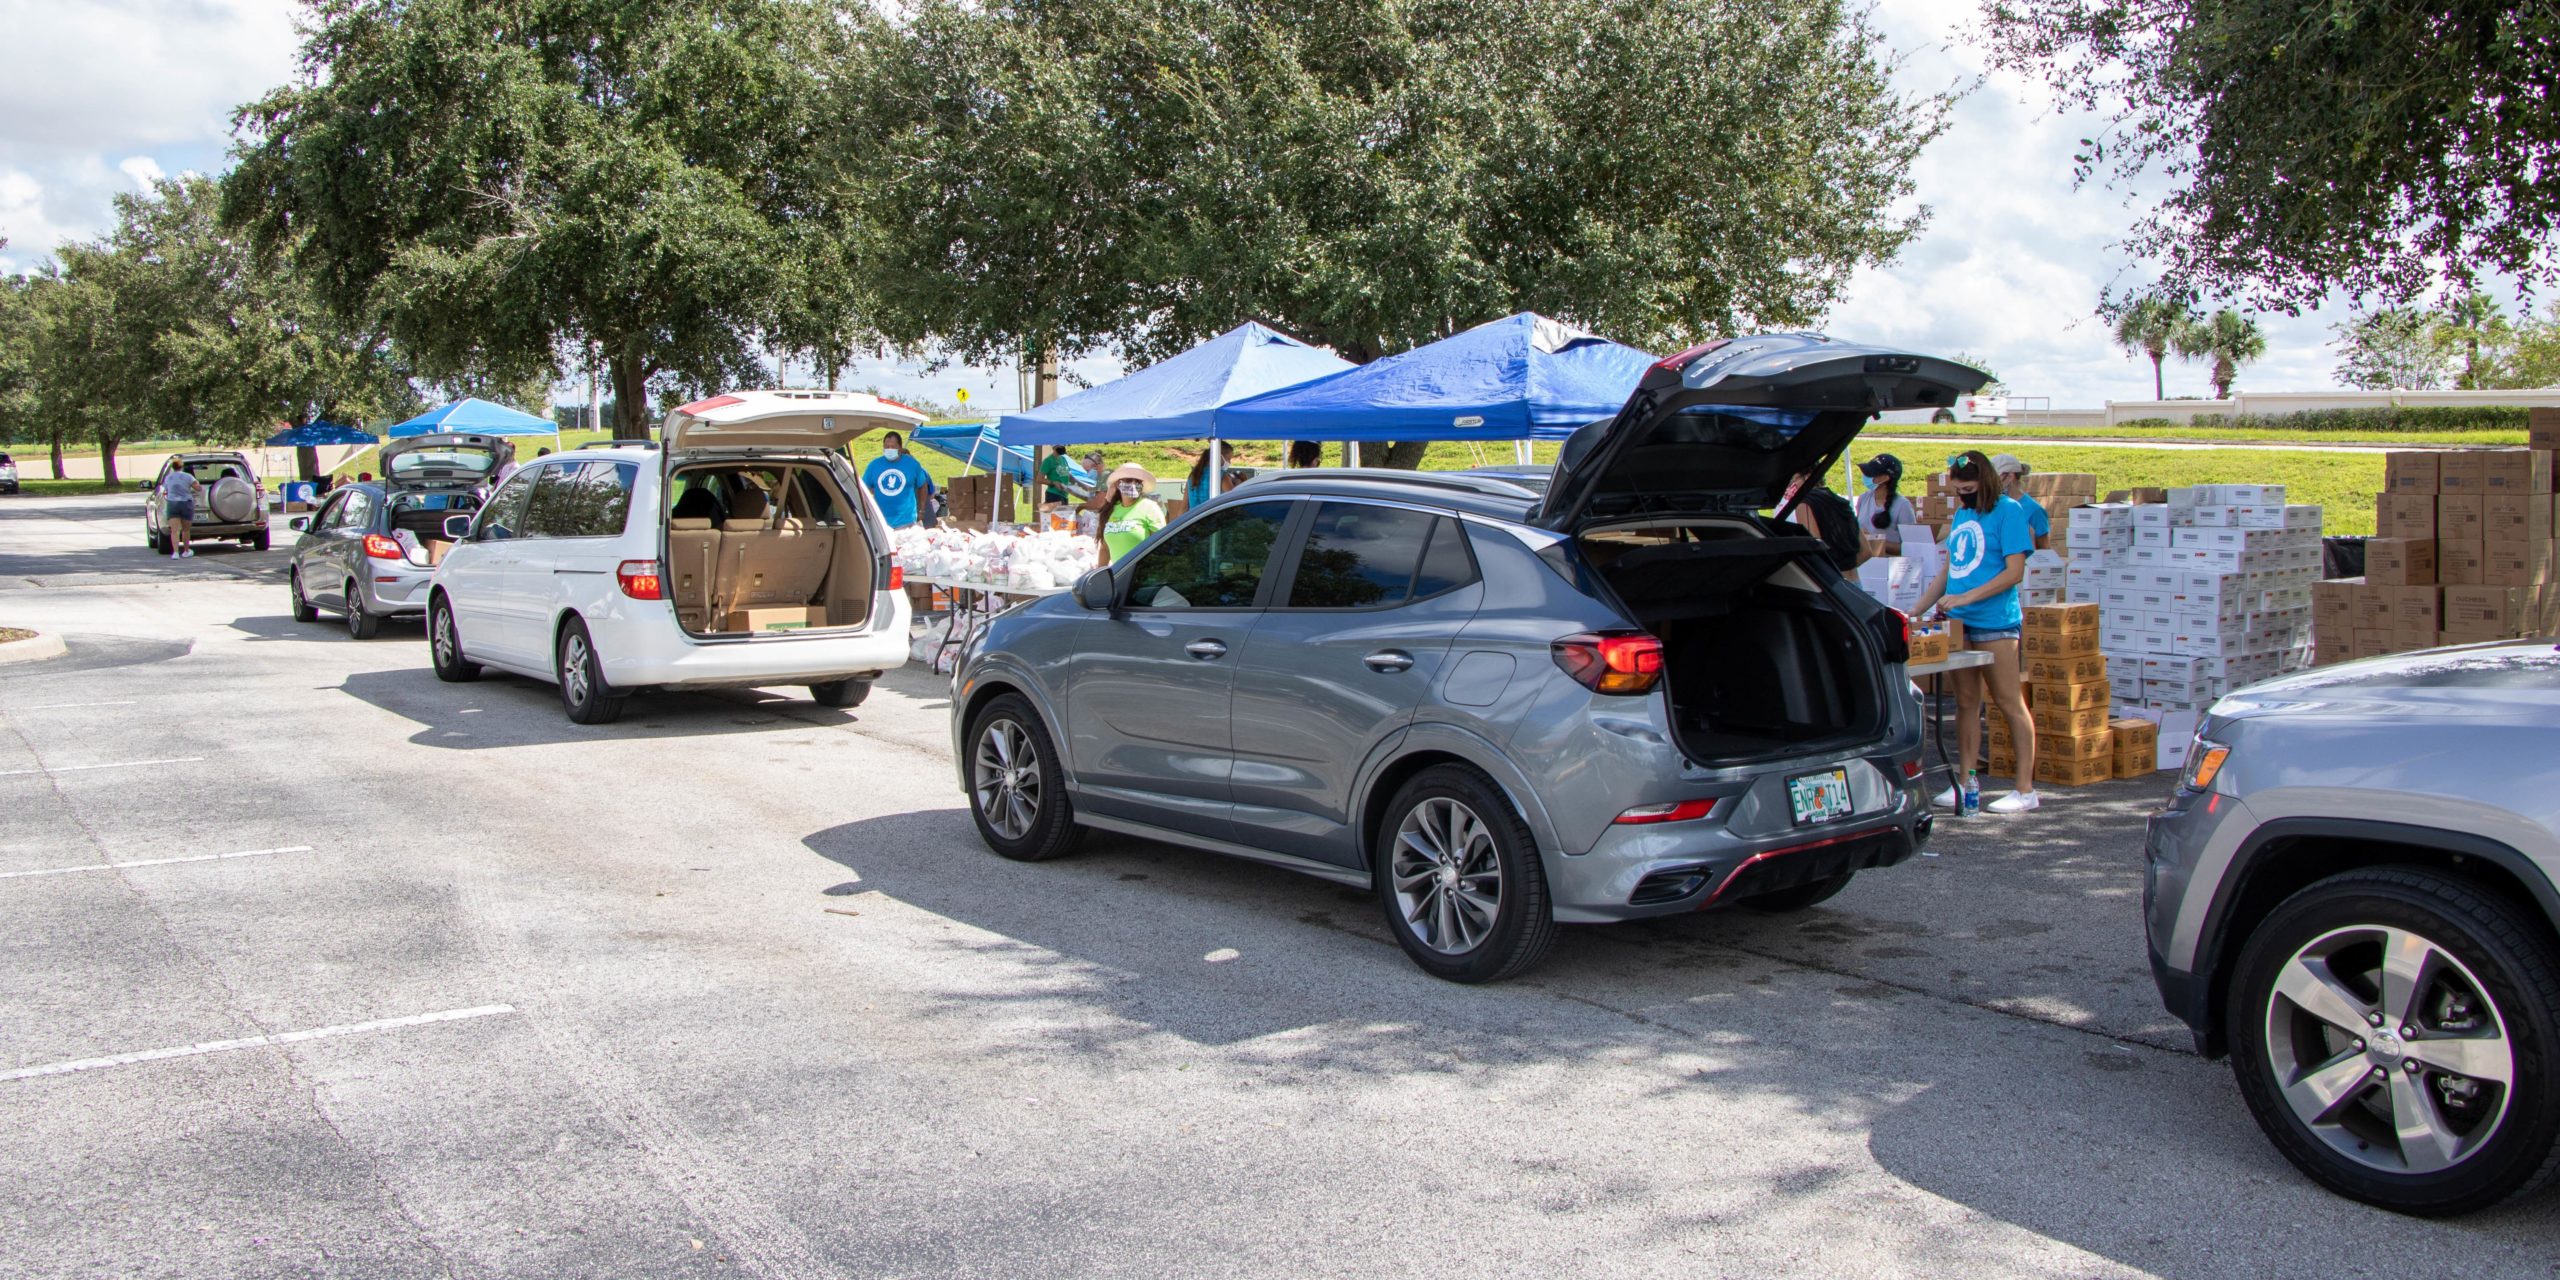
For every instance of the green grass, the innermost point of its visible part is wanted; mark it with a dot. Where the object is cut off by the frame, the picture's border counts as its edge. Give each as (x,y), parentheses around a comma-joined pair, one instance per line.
(2193,435)
(64,488)
(2344,484)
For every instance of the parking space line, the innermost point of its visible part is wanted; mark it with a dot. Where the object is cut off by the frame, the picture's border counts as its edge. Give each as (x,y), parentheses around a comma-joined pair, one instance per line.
(69,706)
(252,1042)
(155,862)
(77,768)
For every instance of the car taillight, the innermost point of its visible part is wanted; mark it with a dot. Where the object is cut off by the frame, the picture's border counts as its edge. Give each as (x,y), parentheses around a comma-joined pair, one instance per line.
(1897,636)
(1674,364)
(381,547)
(1684,811)
(639,579)
(1623,663)
(897,575)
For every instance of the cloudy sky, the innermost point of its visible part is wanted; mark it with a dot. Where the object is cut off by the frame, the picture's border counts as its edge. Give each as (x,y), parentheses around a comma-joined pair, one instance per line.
(104,94)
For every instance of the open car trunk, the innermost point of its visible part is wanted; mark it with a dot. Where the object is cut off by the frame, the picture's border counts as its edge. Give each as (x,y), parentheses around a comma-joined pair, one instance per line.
(765,545)
(1759,658)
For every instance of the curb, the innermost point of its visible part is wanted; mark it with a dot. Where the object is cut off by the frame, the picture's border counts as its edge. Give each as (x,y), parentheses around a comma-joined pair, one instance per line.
(42,645)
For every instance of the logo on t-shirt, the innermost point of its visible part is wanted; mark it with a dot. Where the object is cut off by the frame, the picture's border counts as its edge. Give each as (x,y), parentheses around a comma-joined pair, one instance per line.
(1965,548)
(892,482)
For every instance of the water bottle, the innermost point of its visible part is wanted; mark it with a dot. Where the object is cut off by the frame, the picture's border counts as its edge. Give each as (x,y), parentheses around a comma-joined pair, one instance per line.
(1969,800)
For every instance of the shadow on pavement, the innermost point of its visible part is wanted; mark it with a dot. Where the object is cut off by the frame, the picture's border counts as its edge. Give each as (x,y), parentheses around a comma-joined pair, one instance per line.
(328,626)
(501,710)
(98,653)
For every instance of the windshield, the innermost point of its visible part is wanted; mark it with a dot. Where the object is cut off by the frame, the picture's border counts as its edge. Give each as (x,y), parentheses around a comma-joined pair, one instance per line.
(453,458)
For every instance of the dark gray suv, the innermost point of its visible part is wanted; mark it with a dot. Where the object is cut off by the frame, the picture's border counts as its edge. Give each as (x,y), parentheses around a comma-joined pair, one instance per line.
(1502,702)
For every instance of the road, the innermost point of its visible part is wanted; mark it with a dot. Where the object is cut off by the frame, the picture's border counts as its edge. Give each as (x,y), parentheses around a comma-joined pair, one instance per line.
(730,988)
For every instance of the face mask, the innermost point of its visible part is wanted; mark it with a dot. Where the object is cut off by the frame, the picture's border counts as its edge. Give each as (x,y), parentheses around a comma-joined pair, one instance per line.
(1866,483)
(1129,489)
(892,452)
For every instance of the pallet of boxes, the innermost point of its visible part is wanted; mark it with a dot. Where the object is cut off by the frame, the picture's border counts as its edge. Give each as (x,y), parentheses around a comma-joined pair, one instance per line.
(2463,552)
(2198,594)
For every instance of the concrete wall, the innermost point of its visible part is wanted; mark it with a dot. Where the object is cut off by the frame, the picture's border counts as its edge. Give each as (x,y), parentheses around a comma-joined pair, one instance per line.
(2277,402)
(35,463)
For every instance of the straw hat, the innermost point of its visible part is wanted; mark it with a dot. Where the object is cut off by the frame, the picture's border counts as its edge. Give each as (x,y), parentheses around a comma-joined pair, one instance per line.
(1128,471)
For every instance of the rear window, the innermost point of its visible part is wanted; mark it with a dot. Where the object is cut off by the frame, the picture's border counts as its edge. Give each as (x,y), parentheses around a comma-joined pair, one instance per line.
(209,472)
(418,462)
(1359,556)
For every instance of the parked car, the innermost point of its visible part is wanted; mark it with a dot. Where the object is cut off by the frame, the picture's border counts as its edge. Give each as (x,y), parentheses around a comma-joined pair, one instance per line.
(233,504)
(1500,706)
(8,474)
(745,552)
(2352,894)
(371,548)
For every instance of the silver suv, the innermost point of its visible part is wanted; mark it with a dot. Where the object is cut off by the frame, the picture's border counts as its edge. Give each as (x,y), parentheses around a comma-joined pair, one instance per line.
(1500,703)
(2352,894)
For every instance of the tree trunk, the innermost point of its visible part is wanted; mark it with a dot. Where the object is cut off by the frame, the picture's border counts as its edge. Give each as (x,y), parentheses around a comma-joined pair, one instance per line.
(630,397)
(57,459)
(1402,455)
(2224,374)
(107,462)
(2159,389)
(306,461)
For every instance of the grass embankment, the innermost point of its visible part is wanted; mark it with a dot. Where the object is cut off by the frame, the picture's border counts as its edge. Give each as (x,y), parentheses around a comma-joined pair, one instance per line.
(64,488)
(2191,435)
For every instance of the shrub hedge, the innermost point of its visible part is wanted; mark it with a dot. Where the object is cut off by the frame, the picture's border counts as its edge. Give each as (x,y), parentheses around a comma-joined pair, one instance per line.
(2487,417)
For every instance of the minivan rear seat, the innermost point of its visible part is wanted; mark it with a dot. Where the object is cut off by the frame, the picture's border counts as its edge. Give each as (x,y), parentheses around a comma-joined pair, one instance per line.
(693,569)
(781,564)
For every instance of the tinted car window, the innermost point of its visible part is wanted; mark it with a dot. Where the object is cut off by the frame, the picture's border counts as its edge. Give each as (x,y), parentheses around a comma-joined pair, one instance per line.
(1359,556)
(580,500)
(1448,564)
(504,516)
(1212,563)
(357,513)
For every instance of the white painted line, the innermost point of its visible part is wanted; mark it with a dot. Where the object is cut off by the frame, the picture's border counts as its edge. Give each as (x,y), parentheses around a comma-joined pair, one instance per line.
(251,1042)
(155,862)
(76,768)
(68,706)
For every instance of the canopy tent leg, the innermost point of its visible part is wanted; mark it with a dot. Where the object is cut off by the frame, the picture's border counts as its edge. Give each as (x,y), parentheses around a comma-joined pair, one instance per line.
(1520,452)
(1217,468)
(1351,453)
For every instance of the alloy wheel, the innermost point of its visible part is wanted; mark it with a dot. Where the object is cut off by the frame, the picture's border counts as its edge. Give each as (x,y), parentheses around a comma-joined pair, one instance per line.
(2389,1049)
(573,667)
(1448,875)
(446,650)
(1005,775)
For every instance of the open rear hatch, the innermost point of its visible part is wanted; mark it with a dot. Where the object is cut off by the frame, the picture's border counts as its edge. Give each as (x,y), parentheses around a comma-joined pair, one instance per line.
(1766,650)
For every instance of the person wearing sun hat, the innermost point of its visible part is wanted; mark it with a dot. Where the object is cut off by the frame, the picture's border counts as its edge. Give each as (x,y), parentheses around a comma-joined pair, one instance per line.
(2013,484)
(1129,516)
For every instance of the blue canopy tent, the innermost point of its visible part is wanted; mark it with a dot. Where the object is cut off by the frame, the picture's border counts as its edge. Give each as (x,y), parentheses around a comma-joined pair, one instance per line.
(1523,377)
(1174,399)
(312,435)
(477,416)
(975,444)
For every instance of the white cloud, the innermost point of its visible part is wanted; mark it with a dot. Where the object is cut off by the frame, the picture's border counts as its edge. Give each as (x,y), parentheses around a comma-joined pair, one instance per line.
(142,169)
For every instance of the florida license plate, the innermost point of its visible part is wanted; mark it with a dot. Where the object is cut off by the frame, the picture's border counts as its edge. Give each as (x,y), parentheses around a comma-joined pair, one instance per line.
(1819,797)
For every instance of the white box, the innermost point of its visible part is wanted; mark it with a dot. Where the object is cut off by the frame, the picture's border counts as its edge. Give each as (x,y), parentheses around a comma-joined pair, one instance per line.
(2151,515)
(2123,687)
(2301,515)
(2177,667)
(2217,644)
(2153,535)
(2258,516)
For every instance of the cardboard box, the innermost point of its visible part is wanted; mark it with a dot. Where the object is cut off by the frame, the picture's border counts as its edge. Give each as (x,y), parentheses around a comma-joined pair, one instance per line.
(2400,562)
(2517,471)
(2409,635)
(2136,747)
(776,618)
(2460,517)
(2055,618)
(2069,697)
(2058,644)
(2073,773)
(2065,722)
(2413,605)
(2405,515)
(1928,644)
(2516,564)
(2137,496)
(2464,564)
(2078,668)
(2516,517)
(435,549)
(2480,608)
(2461,471)
(2410,473)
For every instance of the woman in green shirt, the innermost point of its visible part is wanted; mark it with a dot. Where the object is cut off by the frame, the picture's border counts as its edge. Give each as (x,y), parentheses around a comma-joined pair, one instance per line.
(1133,516)
(1059,474)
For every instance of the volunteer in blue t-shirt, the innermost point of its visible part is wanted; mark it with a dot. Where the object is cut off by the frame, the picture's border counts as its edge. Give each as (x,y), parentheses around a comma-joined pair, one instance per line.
(2013,485)
(895,478)
(1987,544)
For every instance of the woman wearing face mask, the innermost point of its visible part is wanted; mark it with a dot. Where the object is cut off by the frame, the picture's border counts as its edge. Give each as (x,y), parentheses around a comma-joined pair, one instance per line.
(1133,517)
(1882,510)
(1987,545)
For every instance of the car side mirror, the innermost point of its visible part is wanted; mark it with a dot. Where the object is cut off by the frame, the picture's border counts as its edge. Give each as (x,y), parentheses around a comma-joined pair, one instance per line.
(298,523)
(1096,590)
(457,527)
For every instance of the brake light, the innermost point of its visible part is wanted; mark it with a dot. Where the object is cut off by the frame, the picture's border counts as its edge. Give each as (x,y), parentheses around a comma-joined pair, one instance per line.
(639,579)
(1897,636)
(1673,364)
(1622,663)
(897,575)
(382,548)
(1911,769)
(1648,814)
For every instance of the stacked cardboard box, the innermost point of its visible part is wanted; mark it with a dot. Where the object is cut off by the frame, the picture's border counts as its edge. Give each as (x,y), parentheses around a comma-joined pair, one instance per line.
(2463,552)
(2070,715)
(2136,744)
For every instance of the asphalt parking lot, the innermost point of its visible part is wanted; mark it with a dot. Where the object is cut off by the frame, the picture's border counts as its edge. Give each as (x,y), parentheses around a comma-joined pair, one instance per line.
(730,988)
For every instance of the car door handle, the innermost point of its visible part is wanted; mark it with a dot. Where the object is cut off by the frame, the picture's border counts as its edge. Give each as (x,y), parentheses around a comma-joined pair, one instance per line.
(1206,650)
(1389,660)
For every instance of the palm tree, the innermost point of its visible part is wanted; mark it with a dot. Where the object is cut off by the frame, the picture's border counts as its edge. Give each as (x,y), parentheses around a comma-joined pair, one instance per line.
(2230,340)
(2473,319)
(2155,325)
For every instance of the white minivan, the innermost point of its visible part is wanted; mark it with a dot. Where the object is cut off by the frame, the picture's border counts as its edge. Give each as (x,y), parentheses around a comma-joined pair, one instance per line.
(742,550)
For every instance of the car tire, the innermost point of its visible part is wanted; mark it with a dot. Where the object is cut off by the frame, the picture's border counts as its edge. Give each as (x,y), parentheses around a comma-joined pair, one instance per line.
(444,644)
(1799,897)
(1450,828)
(2339,1110)
(1020,806)
(1942,417)
(303,609)
(151,538)
(361,624)
(583,691)
(840,693)
(259,543)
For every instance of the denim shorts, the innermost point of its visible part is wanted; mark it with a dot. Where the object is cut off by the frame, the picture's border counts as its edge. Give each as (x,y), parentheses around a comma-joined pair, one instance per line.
(181,509)
(1986,635)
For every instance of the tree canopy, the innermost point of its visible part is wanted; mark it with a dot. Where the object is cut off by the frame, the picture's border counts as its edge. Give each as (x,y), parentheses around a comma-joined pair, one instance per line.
(2382,147)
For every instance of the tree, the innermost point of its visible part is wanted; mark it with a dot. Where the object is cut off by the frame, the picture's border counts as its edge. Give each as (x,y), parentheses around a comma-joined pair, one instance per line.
(502,181)
(2155,324)
(2477,325)
(17,357)
(2376,146)
(2393,349)
(2535,361)
(2229,340)
(1055,177)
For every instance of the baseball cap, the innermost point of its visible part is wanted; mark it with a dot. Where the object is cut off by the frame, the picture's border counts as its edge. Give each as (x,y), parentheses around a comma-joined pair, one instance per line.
(2008,464)
(1883,464)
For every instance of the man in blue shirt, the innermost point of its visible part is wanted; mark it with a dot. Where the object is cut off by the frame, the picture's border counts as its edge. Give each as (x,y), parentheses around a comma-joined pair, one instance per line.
(895,479)
(2013,484)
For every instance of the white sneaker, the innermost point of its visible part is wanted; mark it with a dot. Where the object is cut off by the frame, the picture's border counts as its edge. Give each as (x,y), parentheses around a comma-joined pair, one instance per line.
(1946,799)
(2015,802)
(189,553)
